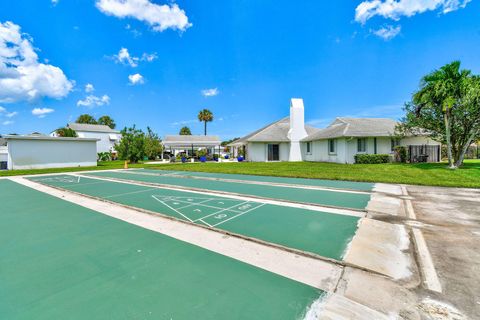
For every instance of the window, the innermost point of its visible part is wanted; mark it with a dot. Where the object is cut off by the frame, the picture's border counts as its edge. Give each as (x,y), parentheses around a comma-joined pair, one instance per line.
(394,143)
(273,152)
(332,146)
(362,145)
(309,147)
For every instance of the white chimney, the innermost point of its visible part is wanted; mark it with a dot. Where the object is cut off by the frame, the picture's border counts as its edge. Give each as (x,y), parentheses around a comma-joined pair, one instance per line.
(297,129)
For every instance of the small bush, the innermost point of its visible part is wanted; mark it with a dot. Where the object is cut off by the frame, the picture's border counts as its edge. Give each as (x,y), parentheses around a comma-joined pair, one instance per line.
(401,154)
(372,158)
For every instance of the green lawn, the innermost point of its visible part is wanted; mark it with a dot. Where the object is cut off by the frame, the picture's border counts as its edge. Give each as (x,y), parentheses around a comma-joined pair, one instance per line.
(434,174)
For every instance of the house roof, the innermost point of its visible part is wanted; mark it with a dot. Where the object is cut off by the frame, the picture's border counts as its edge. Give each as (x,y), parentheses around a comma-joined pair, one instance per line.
(274,132)
(46,138)
(91,127)
(188,140)
(355,127)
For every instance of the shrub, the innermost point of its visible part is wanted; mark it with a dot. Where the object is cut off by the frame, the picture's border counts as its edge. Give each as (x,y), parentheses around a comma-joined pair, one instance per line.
(401,154)
(372,158)
(104,156)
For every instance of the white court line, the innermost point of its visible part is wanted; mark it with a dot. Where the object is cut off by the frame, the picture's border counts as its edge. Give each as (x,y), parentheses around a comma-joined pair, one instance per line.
(318,208)
(162,202)
(127,193)
(272,184)
(225,209)
(191,203)
(238,215)
(204,205)
(311,271)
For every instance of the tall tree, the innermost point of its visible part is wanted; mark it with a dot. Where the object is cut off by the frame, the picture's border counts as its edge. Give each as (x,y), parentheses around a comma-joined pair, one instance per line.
(132,145)
(66,132)
(185,131)
(205,116)
(446,105)
(86,118)
(153,145)
(107,121)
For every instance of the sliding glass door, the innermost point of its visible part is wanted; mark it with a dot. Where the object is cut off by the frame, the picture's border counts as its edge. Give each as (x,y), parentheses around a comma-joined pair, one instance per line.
(273,152)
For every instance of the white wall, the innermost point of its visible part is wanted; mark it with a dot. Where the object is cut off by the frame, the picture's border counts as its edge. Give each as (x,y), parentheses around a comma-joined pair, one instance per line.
(104,144)
(39,154)
(3,153)
(258,151)
(384,146)
(320,151)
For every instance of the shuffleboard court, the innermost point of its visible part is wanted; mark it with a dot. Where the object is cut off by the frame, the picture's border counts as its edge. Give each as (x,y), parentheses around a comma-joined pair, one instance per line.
(337,184)
(330,198)
(63,261)
(317,232)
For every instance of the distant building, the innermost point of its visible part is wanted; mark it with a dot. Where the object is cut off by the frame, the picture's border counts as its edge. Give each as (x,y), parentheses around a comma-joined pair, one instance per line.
(107,137)
(289,139)
(189,144)
(38,151)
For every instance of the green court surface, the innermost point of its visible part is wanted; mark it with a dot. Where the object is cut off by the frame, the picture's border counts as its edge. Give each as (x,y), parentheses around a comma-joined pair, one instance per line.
(62,261)
(331,198)
(338,184)
(322,233)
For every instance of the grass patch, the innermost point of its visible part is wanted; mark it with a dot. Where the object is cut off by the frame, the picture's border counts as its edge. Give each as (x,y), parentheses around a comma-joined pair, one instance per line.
(432,174)
(101,166)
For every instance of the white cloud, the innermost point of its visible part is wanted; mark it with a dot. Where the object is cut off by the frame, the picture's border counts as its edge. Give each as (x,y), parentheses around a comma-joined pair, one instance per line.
(7,122)
(55,2)
(387,32)
(395,9)
(89,88)
(42,112)
(159,17)
(22,76)
(2,109)
(93,101)
(210,92)
(11,114)
(124,57)
(136,78)
(183,122)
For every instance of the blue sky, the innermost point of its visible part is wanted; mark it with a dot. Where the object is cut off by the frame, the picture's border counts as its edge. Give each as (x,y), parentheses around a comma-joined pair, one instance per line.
(344,58)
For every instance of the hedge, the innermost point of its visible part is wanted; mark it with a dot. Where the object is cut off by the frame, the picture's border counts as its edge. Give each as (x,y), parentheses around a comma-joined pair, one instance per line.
(372,158)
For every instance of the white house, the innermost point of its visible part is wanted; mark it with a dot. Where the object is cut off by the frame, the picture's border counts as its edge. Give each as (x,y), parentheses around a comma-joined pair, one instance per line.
(39,152)
(289,139)
(107,137)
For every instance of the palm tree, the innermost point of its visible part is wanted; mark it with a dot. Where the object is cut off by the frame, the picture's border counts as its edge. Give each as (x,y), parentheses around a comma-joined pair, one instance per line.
(66,132)
(107,121)
(205,116)
(442,89)
(86,118)
(185,131)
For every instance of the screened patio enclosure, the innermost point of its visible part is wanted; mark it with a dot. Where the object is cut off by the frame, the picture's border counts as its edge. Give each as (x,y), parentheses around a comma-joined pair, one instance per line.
(189,145)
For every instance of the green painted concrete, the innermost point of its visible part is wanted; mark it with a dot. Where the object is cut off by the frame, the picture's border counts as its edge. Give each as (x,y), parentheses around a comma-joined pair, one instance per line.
(318,232)
(320,197)
(339,184)
(62,261)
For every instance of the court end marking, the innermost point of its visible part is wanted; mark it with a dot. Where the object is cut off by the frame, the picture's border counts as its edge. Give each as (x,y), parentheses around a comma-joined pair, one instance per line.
(238,215)
(229,195)
(221,210)
(427,267)
(162,202)
(318,273)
